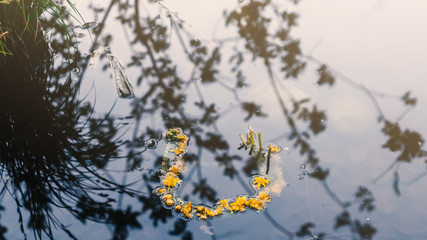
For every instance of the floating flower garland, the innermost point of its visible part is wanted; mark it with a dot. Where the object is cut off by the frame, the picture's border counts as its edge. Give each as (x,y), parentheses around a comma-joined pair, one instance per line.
(173,164)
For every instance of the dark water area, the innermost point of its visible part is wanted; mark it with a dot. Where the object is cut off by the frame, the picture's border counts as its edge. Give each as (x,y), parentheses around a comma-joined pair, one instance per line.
(251,119)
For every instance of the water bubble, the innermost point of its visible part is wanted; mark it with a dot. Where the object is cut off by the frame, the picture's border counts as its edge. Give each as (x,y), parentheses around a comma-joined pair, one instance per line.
(151,143)
(302,166)
(76,70)
(368,219)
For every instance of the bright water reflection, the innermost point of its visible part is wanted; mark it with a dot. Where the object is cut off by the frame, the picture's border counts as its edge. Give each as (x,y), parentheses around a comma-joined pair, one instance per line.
(77,160)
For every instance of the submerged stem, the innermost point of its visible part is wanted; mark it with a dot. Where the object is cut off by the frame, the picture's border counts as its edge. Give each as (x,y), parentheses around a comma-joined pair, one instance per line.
(268,161)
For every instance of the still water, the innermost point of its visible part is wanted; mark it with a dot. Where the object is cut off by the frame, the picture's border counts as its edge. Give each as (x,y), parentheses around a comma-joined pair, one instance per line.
(87,101)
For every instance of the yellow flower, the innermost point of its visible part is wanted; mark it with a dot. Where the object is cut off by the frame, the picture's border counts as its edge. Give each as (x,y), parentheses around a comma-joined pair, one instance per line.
(211,213)
(223,204)
(182,138)
(180,149)
(263,196)
(182,145)
(171,181)
(175,170)
(218,210)
(273,148)
(187,208)
(199,209)
(203,213)
(160,191)
(178,208)
(186,211)
(177,151)
(168,196)
(169,202)
(261,181)
(238,205)
(255,204)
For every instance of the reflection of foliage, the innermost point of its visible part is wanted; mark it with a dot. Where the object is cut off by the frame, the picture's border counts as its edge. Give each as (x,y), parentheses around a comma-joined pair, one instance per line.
(179,229)
(152,202)
(210,115)
(408,142)
(122,220)
(306,230)
(212,142)
(226,161)
(315,117)
(408,100)
(253,110)
(325,76)
(254,28)
(50,141)
(365,231)
(366,198)
(266,37)
(3,229)
(205,191)
(46,154)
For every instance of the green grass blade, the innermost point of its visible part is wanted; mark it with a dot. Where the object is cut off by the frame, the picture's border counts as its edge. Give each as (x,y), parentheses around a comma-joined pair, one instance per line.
(76,11)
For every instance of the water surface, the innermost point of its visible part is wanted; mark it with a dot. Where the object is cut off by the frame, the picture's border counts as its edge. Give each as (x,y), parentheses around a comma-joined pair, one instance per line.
(337,85)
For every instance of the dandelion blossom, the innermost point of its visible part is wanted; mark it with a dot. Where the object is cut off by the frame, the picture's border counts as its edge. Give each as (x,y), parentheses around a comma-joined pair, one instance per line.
(238,205)
(258,181)
(171,181)
(255,204)
(186,211)
(263,196)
